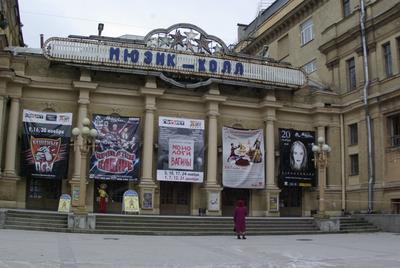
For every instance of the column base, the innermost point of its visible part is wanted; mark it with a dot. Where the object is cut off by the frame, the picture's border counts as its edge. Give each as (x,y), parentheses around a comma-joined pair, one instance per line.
(213,192)
(8,190)
(272,196)
(321,216)
(147,192)
(82,211)
(75,193)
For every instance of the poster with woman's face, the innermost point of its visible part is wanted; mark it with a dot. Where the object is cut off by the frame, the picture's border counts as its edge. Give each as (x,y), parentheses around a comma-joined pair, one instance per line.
(297,159)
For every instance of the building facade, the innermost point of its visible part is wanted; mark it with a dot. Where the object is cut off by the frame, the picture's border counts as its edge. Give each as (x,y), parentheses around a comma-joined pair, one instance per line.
(326,38)
(210,125)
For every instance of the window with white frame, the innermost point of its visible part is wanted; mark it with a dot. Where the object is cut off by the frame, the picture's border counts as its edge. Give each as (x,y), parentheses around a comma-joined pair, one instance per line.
(310,67)
(307,31)
(394,130)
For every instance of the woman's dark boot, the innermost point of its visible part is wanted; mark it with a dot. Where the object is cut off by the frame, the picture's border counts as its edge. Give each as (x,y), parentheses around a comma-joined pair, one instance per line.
(238,236)
(244,237)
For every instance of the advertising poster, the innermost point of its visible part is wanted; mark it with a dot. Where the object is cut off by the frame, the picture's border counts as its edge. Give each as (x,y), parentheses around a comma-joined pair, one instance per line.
(116,155)
(65,203)
(45,144)
(130,201)
(180,150)
(297,158)
(243,158)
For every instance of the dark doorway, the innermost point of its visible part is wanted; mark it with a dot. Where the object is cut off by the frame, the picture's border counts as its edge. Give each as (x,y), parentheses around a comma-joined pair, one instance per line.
(115,191)
(175,198)
(290,202)
(229,198)
(43,194)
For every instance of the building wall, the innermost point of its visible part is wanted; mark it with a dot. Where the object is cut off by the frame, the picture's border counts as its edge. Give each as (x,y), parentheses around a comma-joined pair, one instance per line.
(336,40)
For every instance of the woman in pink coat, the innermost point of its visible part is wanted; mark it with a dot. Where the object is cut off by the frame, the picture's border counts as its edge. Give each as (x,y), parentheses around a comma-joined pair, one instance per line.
(239,218)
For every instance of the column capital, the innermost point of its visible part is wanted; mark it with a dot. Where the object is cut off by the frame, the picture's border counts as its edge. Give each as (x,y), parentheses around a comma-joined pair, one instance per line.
(148,91)
(84,85)
(269,115)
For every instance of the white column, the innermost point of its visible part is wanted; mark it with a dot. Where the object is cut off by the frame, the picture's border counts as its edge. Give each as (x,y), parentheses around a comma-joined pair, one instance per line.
(148,140)
(212,150)
(270,140)
(2,99)
(82,113)
(12,134)
(321,177)
(272,190)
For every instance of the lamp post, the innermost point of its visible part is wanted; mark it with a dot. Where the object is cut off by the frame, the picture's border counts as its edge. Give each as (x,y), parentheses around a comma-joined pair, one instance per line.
(321,151)
(84,140)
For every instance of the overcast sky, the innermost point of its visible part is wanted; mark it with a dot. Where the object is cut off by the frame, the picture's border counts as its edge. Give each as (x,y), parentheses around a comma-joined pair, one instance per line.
(80,17)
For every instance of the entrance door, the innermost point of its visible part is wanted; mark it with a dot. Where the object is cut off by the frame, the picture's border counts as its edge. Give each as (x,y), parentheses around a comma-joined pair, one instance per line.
(229,198)
(43,194)
(175,198)
(290,202)
(115,191)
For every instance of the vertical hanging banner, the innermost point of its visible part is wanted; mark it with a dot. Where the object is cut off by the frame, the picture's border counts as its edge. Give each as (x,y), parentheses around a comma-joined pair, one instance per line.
(180,149)
(297,159)
(243,158)
(45,144)
(117,146)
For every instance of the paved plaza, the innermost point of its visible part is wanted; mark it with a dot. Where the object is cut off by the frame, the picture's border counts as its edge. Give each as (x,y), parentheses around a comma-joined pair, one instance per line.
(46,249)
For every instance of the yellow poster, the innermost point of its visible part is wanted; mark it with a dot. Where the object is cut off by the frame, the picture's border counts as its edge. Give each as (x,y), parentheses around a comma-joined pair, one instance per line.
(131,201)
(65,203)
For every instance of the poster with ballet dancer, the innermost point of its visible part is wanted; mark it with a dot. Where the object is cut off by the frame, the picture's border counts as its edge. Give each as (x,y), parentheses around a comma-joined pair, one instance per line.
(45,144)
(243,158)
(180,149)
(116,154)
(296,158)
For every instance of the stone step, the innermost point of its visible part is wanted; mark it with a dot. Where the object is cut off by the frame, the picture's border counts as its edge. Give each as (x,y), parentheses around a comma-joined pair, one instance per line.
(112,223)
(210,233)
(47,224)
(42,220)
(198,228)
(37,228)
(39,215)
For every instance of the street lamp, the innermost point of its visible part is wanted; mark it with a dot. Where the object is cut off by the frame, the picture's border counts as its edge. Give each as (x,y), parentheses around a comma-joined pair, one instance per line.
(84,140)
(321,161)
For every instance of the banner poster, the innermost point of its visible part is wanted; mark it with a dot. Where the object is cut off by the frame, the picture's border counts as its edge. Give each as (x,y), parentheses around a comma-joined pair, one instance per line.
(45,144)
(180,150)
(296,158)
(243,158)
(116,154)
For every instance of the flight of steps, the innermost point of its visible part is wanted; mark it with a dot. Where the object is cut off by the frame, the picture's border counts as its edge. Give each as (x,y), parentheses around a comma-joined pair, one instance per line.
(176,225)
(164,225)
(356,225)
(36,220)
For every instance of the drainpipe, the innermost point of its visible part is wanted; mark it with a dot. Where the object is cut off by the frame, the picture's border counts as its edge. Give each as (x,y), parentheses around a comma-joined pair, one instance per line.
(367,115)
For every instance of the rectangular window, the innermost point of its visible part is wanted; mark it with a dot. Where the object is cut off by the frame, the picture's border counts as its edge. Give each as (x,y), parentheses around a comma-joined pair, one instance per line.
(398,51)
(310,67)
(394,130)
(387,56)
(346,7)
(306,32)
(353,164)
(353,134)
(351,74)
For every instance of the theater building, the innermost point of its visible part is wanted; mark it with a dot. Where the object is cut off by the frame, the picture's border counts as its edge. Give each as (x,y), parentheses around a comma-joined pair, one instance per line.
(190,124)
